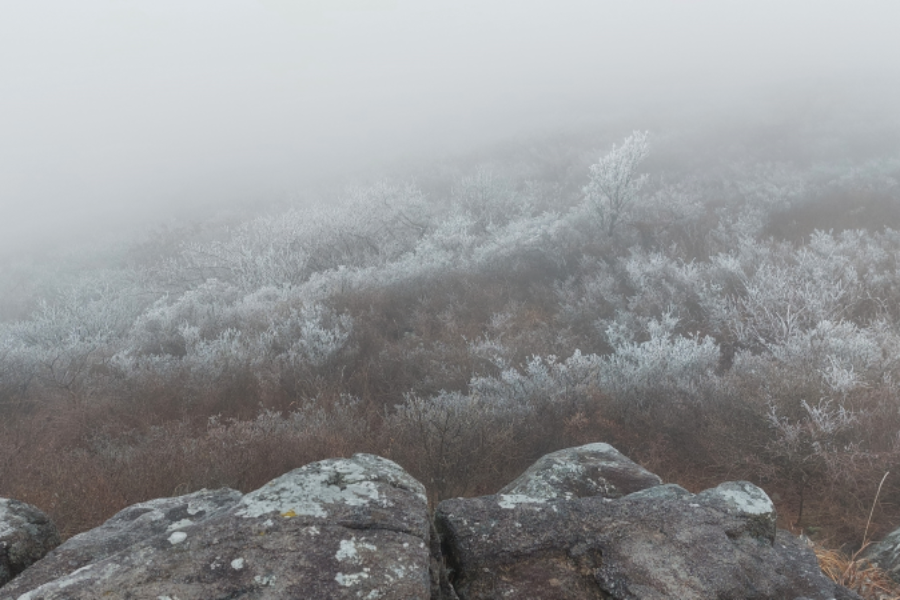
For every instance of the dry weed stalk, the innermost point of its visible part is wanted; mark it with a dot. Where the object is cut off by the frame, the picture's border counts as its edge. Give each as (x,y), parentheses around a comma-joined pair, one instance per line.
(858,573)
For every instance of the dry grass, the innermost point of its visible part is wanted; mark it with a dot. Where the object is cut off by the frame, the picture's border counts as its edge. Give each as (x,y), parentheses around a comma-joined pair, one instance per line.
(857,574)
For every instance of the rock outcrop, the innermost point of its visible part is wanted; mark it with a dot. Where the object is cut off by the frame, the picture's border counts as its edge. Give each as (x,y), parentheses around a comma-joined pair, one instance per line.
(583,523)
(26,535)
(662,542)
(591,470)
(128,528)
(340,528)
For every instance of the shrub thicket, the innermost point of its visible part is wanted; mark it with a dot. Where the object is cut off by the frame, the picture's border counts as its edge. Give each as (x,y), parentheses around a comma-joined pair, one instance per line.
(712,324)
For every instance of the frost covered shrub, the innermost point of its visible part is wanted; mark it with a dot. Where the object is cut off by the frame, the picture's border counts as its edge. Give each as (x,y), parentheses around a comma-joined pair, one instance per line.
(845,356)
(276,321)
(453,435)
(271,352)
(676,218)
(491,199)
(659,284)
(309,336)
(159,331)
(861,196)
(665,365)
(67,344)
(367,227)
(467,442)
(831,452)
(614,182)
(703,339)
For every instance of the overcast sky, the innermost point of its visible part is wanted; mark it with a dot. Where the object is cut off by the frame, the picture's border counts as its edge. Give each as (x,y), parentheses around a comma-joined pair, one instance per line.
(112,108)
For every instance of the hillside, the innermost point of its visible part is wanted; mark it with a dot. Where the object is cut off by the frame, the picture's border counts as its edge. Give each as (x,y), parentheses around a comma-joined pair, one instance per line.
(715,310)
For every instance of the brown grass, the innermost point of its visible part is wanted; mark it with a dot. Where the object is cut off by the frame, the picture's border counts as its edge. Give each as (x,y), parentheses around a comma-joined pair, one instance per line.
(857,574)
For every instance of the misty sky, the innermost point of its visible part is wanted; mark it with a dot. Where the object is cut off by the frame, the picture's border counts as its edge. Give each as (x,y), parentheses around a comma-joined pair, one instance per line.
(118,108)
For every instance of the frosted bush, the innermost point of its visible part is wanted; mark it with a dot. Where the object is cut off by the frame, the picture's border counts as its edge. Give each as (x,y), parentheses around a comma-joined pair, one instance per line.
(660,283)
(368,226)
(593,296)
(319,335)
(158,330)
(773,186)
(844,355)
(614,182)
(519,238)
(663,363)
(64,341)
(491,350)
(823,441)
(490,199)
(542,378)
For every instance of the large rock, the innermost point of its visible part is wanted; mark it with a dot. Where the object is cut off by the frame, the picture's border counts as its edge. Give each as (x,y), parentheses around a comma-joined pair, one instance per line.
(340,528)
(591,470)
(127,528)
(886,554)
(662,542)
(26,535)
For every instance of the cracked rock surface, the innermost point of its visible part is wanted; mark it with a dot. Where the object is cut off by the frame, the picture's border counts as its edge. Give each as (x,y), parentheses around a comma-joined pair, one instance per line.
(26,535)
(338,528)
(128,527)
(590,470)
(582,523)
(661,542)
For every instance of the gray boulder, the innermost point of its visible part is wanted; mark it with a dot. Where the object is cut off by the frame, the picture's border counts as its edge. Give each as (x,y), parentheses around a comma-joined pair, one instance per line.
(591,470)
(26,535)
(886,554)
(662,542)
(127,528)
(339,528)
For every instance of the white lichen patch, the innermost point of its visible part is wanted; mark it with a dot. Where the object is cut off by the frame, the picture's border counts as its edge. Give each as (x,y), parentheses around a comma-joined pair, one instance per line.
(177,537)
(179,524)
(349,550)
(547,484)
(237,564)
(193,508)
(351,579)
(745,497)
(308,490)
(513,500)
(573,472)
(265,580)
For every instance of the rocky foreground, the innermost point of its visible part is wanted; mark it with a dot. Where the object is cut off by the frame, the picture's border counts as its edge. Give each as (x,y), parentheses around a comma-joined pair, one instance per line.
(582,523)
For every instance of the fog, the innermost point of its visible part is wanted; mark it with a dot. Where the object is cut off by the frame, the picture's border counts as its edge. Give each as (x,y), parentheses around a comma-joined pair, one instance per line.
(117,112)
